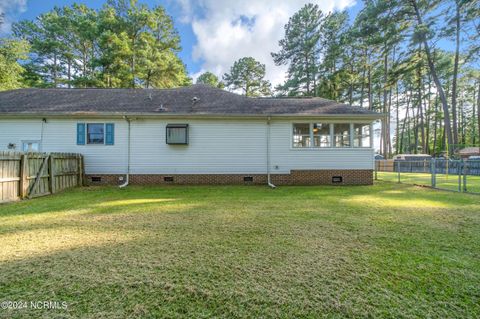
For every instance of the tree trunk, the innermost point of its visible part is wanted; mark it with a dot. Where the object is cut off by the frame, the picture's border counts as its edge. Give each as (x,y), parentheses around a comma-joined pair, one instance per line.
(428,115)
(385,127)
(455,75)
(55,70)
(364,71)
(420,109)
(478,109)
(435,127)
(370,106)
(69,73)
(405,120)
(433,71)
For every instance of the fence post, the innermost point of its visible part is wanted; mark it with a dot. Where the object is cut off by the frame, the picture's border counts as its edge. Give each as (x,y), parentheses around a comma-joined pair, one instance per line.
(51,169)
(465,170)
(398,170)
(459,171)
(80,169)
(376,169)
(432,172)
(23,176)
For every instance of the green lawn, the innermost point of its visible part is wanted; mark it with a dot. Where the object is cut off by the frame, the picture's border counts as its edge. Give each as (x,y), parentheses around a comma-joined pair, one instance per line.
(387,250)
(443,181)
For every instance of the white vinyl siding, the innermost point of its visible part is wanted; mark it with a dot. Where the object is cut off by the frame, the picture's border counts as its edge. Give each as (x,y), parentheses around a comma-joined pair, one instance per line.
(217,146)
(214,147)
(60,135)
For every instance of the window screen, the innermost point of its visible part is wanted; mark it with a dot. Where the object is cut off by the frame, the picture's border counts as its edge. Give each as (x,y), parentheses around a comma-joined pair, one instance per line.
(177,134)
(321,135)
(341,135)
(361,135)
(301,135)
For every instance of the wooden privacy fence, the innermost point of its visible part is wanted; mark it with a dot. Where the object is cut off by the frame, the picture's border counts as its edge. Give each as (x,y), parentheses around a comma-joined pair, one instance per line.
(28,175)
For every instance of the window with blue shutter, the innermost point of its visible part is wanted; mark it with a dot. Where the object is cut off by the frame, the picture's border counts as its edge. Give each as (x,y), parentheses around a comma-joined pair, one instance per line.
(80,133)
(109,133)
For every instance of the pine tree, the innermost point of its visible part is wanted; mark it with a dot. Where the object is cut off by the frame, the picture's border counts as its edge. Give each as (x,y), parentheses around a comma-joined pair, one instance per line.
(248,75)
(300,50)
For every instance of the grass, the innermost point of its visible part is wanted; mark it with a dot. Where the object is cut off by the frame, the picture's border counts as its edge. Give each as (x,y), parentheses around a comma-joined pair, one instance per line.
(443,181)
(386,250)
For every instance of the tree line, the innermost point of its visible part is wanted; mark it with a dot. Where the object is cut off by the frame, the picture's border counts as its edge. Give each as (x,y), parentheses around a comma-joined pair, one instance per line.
(390,59)
(124,44)
(416,61)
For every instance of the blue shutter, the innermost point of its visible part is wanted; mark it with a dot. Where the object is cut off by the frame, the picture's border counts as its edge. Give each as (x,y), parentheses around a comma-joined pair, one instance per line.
(80,133)
(109,133)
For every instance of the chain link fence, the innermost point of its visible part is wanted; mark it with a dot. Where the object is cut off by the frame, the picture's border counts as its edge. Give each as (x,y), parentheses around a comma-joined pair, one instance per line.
(453,175)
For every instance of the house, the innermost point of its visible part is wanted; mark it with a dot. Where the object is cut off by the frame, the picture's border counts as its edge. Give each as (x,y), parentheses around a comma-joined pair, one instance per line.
(197,134)
(469,151)
(412,157)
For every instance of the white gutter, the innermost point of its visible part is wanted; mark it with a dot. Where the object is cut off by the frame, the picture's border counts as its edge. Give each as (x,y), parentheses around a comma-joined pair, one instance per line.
(128,154)
(269,182)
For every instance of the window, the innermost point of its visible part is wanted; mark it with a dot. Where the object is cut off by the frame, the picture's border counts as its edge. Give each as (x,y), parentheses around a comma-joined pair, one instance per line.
(95,133)
(321,135)
(177,134)
(318,135)
(361,135)
(31,146)
(301,135)
(341,135)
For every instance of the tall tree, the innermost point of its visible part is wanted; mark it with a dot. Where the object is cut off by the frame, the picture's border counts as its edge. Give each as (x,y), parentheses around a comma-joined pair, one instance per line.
(11,51)
(210,79)
(300,50)
(248,75)
(421,32)
(124,44)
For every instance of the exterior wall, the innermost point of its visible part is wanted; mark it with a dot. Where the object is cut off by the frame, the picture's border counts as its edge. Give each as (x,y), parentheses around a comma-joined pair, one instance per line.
(60,135)
(215,147)
(297,177)
(284,157)
(224,147)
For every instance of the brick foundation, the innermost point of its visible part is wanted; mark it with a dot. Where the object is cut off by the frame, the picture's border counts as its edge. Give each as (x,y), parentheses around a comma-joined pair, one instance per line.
(296,177)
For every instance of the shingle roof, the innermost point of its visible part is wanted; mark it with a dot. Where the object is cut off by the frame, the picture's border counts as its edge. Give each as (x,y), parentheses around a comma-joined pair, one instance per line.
(193,100)
(470,151)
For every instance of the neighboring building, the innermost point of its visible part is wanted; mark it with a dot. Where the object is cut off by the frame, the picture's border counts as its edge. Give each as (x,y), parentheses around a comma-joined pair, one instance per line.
(195,134)
(469,151)
(412,157)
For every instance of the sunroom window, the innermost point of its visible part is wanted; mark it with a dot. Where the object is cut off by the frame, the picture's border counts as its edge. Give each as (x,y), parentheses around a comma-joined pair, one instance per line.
(321,135)
(301,135)
(341,134)
(361,135)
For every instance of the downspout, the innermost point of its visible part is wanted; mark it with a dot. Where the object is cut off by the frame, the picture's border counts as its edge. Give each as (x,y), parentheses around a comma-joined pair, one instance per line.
(128,154)
(269,182)
(44,120)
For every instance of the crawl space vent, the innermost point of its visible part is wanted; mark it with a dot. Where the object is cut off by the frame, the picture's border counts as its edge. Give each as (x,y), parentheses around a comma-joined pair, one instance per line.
(337,179)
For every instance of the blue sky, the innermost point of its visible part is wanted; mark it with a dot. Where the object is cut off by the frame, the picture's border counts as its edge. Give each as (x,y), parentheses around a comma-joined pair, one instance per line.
(214,33)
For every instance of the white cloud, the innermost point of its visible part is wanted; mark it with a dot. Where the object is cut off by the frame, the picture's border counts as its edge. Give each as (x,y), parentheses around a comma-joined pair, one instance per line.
(231,29)
(10,8)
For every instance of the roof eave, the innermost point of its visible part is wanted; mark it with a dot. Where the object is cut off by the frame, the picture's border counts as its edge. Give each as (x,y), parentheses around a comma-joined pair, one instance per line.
(372,117)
